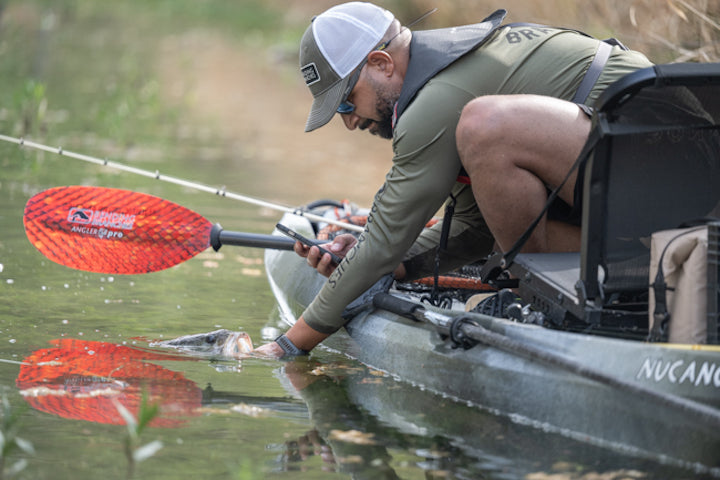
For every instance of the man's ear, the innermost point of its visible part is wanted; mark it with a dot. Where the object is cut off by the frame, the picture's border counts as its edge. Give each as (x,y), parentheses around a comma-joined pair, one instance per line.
(382,61)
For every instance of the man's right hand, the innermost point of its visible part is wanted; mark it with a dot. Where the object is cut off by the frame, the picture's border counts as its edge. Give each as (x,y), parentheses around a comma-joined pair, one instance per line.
(323,263)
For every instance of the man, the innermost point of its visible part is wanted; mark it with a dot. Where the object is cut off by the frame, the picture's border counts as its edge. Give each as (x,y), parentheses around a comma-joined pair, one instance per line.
(488,115)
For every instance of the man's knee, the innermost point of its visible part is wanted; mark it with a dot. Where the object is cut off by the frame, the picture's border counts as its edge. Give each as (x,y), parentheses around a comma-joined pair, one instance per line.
(483,125)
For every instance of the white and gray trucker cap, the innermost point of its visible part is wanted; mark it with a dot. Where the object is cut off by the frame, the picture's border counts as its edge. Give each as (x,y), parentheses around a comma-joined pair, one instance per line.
(334,44)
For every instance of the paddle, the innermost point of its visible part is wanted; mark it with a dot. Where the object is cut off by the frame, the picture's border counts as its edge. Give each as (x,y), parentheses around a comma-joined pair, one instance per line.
(108,230)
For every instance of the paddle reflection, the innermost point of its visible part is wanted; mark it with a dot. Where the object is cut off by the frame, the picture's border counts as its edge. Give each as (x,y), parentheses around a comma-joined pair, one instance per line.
(82,380)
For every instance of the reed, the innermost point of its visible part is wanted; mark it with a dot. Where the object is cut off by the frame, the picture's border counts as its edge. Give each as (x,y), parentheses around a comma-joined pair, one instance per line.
(10,442)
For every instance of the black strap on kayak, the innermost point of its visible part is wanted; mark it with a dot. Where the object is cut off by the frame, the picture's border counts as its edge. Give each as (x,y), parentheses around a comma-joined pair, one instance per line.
(435,298)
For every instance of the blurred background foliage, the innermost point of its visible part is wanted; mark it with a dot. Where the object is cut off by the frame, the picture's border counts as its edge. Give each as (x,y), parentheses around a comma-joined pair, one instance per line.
(665,30)
(114,93)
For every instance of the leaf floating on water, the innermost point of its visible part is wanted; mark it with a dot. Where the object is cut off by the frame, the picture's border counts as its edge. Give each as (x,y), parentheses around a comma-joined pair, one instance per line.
(251,272)
(211,255)
(353,436)
(248,261)
(430,453)
(573,475)
(212,411)
(249,410)
(338,369)
(319,371)
(348,459)
(242,408)
(371,381)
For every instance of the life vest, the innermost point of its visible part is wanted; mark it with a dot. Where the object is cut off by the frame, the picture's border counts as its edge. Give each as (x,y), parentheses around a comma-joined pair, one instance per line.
(432,51)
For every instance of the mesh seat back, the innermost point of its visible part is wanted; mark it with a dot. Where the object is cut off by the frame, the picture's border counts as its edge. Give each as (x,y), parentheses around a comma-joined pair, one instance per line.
(655,167)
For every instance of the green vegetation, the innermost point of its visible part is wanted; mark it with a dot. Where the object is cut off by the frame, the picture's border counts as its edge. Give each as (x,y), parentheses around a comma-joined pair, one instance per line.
(134,452)
(10,441)
(107,92)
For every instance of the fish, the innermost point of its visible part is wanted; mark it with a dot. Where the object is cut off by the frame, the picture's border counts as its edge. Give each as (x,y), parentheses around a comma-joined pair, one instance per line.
(223,342)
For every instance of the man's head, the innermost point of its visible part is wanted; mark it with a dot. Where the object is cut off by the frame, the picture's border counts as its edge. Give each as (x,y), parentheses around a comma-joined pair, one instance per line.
(335,44)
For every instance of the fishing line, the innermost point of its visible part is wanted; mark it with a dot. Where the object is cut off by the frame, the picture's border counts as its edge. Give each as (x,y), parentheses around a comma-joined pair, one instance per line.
(178,181)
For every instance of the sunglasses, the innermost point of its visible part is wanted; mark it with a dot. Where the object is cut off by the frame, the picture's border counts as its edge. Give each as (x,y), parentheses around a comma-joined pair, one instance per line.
(348,107)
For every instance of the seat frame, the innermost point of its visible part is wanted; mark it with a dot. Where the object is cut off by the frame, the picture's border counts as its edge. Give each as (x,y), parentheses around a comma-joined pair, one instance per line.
(569,288)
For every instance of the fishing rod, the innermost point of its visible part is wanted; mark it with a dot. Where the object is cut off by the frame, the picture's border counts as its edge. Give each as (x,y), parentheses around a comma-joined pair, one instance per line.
(178,181)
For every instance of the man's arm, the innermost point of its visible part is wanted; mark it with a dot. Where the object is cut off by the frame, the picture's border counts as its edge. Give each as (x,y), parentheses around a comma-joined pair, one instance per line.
(301,335)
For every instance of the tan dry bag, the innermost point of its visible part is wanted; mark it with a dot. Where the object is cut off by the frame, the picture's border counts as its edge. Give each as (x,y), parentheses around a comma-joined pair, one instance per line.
(683,253)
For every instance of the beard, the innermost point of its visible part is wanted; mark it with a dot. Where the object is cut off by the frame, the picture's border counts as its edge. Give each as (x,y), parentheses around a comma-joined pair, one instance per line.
(384,107)
(384,127)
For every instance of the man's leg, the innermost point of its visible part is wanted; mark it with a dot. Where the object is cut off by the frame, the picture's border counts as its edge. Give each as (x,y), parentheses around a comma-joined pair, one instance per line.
(514,147)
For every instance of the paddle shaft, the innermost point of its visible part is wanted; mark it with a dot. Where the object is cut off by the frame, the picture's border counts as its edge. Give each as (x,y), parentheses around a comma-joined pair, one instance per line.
(178,181)
(474,331)
(220,237)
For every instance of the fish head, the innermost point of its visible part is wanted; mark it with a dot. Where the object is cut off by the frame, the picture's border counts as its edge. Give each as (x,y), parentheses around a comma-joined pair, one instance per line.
(199,340)
(219,342)
(237,344)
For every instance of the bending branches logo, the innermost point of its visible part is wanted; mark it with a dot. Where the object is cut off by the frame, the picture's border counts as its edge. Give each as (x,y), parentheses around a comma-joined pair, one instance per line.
(97,222)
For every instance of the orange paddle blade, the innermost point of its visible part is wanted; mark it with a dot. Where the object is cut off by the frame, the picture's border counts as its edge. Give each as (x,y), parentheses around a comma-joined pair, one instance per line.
(108,230)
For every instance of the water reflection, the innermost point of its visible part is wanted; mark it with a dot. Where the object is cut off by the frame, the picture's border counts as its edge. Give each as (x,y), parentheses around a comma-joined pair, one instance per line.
(370,426)
(362,423)
(345,436)
(82,380)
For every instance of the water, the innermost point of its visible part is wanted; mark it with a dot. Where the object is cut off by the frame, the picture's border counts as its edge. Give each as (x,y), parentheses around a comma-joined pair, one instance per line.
(319,417)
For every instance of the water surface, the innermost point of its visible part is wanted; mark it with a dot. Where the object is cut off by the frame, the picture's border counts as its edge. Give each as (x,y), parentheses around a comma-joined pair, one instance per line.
(75,344)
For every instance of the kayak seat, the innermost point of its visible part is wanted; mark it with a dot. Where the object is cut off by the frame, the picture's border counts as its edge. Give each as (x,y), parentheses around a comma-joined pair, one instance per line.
(653,163)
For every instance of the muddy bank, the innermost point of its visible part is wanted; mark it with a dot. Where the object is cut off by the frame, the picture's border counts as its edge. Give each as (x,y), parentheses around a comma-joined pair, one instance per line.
(258,105)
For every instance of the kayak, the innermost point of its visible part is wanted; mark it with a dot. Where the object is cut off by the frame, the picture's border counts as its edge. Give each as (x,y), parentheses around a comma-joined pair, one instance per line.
(653,399)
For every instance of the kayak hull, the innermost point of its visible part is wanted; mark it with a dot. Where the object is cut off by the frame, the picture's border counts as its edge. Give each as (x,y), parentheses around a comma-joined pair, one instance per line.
(527,390)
